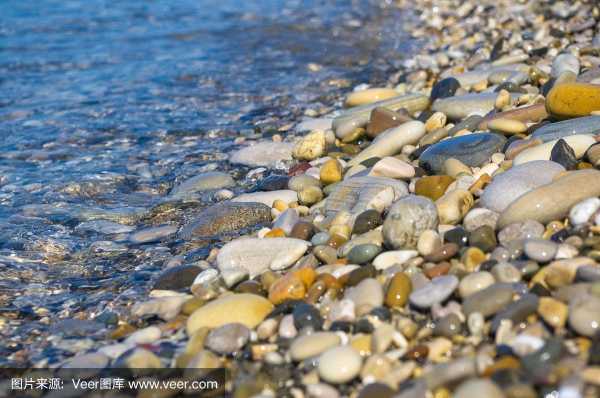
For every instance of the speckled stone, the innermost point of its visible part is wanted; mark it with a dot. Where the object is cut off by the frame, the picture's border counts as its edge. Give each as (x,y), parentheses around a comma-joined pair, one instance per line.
(472,150)
(518,180)
(436,291)
(483,238)
(227,339)
(407,219)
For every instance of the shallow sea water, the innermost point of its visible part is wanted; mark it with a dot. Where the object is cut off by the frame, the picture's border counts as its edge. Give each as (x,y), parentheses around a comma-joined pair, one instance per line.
(104,106)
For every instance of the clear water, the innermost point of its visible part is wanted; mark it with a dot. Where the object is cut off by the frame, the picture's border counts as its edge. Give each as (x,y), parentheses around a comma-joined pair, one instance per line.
(105,104)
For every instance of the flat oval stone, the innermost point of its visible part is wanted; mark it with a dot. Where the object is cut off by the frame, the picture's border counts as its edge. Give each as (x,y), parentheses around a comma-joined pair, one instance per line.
(584,316)
(224,218)
(339,365)
(472,150)
(568,100)
(362,254)
(433,187)
(391,141)
(393,168)
(257,255)
(540,250)
(407,219)
(478,388)
(267,153)
(553,201)
(367,295)
(247,309)
(436,291)
(579,144)
(358,194)
(313,344)
(489,300)
(267,198)
(202,182)
(582,125)
(394,257)
(516,181)
(369,95)
(444,88)
(398,291)
(461,106)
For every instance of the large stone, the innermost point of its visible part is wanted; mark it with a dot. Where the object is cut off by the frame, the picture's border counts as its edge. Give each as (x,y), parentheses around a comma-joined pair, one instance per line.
(472,150)
(553,201)
(461,106)
(359,194)
(247,309)
(267,153)
(577,126)
(518,180)
(579,144)
(406,221)
(391,141)
(257,255)
(224,218)
(569,100)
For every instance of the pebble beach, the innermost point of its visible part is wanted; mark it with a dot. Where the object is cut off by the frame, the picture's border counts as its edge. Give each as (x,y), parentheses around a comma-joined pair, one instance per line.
(432,232)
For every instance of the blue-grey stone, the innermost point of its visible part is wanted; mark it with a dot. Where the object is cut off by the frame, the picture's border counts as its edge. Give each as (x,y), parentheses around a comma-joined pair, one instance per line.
(581,125)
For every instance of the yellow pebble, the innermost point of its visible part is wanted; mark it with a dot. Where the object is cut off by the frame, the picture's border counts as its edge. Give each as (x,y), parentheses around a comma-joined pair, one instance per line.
(570,100)
(275,233)
(280,205)
(441,392)
(369,95)
(331,172)
(502,100)
(507,126)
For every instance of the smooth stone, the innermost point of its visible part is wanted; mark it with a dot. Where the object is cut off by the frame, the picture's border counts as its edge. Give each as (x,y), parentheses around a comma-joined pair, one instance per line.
(366,295)
(227,339)
(394,257)
(152,234)
(137,358)
(286,220)
(540,363)
(307,316)
(462,106)
(366,221)
(392,168)
(267,154)
(588,125)
(528,229)
(310,195)
(564,63)
(313,344)
(526,114)
(540,250)
(339,365)
(273,182)
(458,236)
(267,198)
(312,124)
(91,360)
(166,308)
(311,146)
(433,187)
(202,182)
(473,150)
(299,182)
(331,172)
(517,311)
(448,326)
(364,253)
(434,292)
(228,217)
(584,315)
(429,242)
(358,194)
(454,205)
(450,372)
(391,141)
(569,100)
(506,273)
(258,255)
(407,219)
(369,95)
(178,277)
(553,312)
(444,88)
(507,126)
(479,217)
(564,155)
(583,211)
(474,282)
(146,335)
(553,201)
(516,181)
(478,388)
(244,308)
(488,301)
(356,117)
(398,291)
(377,390)
(302,230)
(382,119)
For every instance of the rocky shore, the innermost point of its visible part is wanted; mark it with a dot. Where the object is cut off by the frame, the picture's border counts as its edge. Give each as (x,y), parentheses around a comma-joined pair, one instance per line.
(436,236)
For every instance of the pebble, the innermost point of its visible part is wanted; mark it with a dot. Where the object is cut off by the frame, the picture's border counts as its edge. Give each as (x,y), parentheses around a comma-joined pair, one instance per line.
(146,335)
(479,217)
(407,219)
(311,146)
(257,255)
(393,168)
(398,291)
(176,278)
(267,198)
(448,326)
(553,201)
(331,172)
(358,194)
(366,221)
(388,259)
(507,126)
(382,119)
(247,309)
(564,155)
(362,254)
(311,345)
(553,312)
(474,282)
(528,229)
(369,95)
(224,218)
(227,339)
(461,106)
(489,300)
(429,242)
(584,315)
(366,295)
(483,238)
(166,308)
(454,205)
(436,291)
(152,234)
(588,125)
(518,180)
(444,88)
(202,182)
(506,273)
(433,187)
(582,212)
(540,250)
(286,221)
(339,365)
(472,150)
(579,144)
(569,100)
(266,153)
(310,195)
(307,316)
(391,141)
(477,388)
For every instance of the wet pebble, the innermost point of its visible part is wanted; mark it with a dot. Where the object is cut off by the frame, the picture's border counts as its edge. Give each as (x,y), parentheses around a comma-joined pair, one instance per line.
(436,291)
